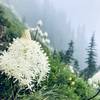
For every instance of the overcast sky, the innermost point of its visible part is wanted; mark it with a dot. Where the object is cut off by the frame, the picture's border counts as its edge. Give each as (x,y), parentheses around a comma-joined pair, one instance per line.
(80,12)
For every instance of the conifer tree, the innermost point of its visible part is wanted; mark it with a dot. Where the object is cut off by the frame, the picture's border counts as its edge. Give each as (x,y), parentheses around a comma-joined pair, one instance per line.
(61,53)
(91,60)
(69,53)
(76,66)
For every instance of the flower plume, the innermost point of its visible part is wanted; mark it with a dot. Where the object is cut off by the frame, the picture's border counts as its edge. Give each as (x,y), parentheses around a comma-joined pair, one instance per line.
(25,61)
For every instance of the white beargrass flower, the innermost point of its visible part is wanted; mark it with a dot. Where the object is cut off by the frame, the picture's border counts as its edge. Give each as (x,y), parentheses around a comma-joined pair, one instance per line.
(43,41)
(40,33)
(71,69)
(47,41)
(45,34)
(95,80)
(40,23)
(26,61)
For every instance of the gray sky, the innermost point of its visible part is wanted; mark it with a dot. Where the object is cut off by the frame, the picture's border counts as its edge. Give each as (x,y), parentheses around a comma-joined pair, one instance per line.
(81,12)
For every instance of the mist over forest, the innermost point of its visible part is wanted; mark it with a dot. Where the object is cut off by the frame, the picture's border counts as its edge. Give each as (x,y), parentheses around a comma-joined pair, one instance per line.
(58,23)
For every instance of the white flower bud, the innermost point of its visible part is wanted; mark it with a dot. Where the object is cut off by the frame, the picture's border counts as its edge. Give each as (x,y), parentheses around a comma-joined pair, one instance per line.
(40,23)
(71,68)
(47,41)
(40,33)
(43,41)
(45,34)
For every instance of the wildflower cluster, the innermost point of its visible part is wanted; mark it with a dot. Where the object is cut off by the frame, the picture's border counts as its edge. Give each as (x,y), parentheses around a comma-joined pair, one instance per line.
(39,35)
(26,61)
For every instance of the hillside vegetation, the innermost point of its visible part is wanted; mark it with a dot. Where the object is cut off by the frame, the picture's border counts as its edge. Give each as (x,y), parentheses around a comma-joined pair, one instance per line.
(61,83)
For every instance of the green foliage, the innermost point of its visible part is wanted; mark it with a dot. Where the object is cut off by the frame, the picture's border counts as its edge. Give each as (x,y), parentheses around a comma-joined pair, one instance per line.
(69,53)
(62,55)
(83,89)
(91,60)
(13,23)
(13,26)
(61,85)
(7,87)
(70,83)
(76,66)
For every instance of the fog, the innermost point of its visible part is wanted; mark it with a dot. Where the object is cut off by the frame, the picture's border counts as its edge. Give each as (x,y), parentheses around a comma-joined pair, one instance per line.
(64,20)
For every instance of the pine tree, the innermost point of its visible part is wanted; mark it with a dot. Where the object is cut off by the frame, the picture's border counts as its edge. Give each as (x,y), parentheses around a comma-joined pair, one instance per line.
(61,53)
(69,53)
(91,60)
(55,54)
(76,66)
(56,57)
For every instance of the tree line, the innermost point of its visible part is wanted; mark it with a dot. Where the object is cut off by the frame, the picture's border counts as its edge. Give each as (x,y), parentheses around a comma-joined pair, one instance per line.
(68,58)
